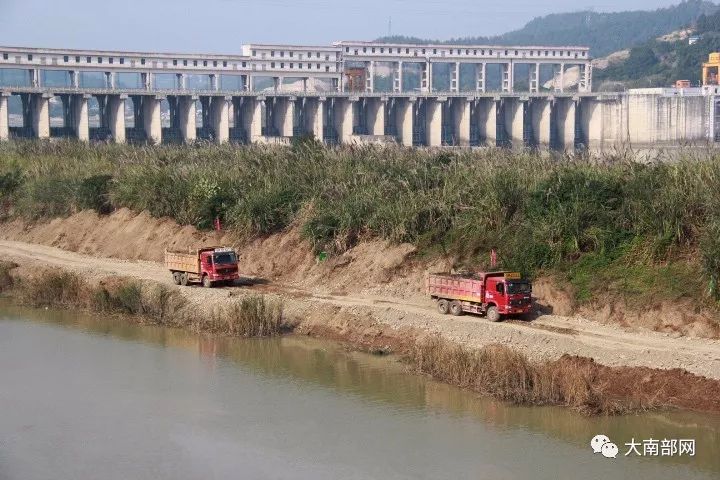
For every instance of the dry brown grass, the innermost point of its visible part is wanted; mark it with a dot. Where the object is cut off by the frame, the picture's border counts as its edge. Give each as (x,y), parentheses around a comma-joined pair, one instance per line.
(147,302)
(6,280)
(252,316)
(507,374)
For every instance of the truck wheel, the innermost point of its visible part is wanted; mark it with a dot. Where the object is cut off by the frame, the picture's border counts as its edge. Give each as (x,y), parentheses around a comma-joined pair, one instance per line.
(176,278)
(493,315)
(456,308)
(207,283)
(184,279)
(443,307)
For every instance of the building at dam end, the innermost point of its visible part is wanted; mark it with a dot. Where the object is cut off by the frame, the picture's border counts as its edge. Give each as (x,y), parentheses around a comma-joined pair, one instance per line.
(349,92)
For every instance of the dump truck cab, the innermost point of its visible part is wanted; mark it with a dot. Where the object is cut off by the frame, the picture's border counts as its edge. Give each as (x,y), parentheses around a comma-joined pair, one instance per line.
(508,292)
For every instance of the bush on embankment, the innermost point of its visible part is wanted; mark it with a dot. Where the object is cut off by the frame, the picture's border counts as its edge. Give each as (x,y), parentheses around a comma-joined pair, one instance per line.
(251,316)
(615,225)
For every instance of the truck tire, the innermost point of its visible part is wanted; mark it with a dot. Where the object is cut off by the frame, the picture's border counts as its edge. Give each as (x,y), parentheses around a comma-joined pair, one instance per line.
(442,306)
(456,308)
(176,278)
(492,314)
(206,282)
(184,280)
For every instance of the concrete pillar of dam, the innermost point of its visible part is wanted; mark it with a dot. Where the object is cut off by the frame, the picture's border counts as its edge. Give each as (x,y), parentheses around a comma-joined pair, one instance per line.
(534,80)
(585,80)
(151,119)
(404,120)
(480,77)
(565,123)
(561,87)
(314,115)
(602,122)
(74,78)
(433,122)
(397,77)
(461,121)
(515,121)
(80,117)
(507,77)
(486,121)
(252,118)
(344,119)
(180,81)
(187,116)
(116,117)
(41,115)
(375,116)
(370,80)
(4,117)
(34,77)
(146,80)
(541,117)
(109,80)
(455,77)
(426,77)
(284,115)
(220,118)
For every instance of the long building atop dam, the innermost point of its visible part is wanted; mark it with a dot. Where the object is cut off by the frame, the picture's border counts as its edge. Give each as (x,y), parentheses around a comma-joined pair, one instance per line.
(349,92)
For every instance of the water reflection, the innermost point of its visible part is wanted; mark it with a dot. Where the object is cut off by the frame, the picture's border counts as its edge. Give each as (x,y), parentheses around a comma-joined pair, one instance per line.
(385,382)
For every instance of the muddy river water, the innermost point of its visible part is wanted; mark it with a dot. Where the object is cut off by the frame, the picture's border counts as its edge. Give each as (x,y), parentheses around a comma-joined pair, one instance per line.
(83,397)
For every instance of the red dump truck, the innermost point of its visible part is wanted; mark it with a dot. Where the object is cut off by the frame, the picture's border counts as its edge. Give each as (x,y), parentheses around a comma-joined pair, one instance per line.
(209,266)
(493,293)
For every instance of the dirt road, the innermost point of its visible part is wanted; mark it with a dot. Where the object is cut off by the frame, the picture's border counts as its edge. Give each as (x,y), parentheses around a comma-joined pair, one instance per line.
(546,337)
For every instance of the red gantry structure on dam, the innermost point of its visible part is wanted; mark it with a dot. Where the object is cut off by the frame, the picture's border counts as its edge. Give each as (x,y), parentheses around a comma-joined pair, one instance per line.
(349,92)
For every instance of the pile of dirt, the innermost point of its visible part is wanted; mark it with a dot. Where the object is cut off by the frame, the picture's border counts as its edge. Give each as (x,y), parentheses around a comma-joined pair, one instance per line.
(676,388)
(123,234)
(681,318)
(282,258)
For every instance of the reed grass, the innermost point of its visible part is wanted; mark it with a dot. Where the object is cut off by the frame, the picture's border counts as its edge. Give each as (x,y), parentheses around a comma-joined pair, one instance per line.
(251,316)
(508,375)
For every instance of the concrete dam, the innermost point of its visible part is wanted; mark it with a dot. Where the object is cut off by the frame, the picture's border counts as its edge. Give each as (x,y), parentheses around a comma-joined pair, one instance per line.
(274,93)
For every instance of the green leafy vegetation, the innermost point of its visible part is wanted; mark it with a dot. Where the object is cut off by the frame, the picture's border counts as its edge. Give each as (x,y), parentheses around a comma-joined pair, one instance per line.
(643,231)
(603,32)
(659,63)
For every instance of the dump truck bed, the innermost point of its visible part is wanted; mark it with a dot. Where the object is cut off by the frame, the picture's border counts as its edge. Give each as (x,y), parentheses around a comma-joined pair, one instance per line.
(182,262)
(456,287)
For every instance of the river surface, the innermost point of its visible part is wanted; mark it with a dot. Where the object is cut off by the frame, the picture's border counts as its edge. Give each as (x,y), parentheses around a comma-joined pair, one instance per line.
(83,397)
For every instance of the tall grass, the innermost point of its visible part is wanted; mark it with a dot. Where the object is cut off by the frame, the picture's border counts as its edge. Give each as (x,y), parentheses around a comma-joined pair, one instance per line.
(507,374)
(252,316)
(585,218)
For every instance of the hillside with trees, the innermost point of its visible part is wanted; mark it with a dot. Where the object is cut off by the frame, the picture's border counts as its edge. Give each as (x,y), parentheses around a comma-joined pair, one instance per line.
(603,32)
(658,62)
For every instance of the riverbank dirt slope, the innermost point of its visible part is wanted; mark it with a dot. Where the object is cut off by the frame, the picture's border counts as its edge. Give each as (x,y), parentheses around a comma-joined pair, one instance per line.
(369,295)
(373,269)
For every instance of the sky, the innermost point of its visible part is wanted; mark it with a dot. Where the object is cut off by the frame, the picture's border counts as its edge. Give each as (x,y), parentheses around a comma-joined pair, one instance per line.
(221,26)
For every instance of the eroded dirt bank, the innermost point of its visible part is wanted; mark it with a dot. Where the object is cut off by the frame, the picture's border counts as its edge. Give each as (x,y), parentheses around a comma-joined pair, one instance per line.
(372,288)
(373,271)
